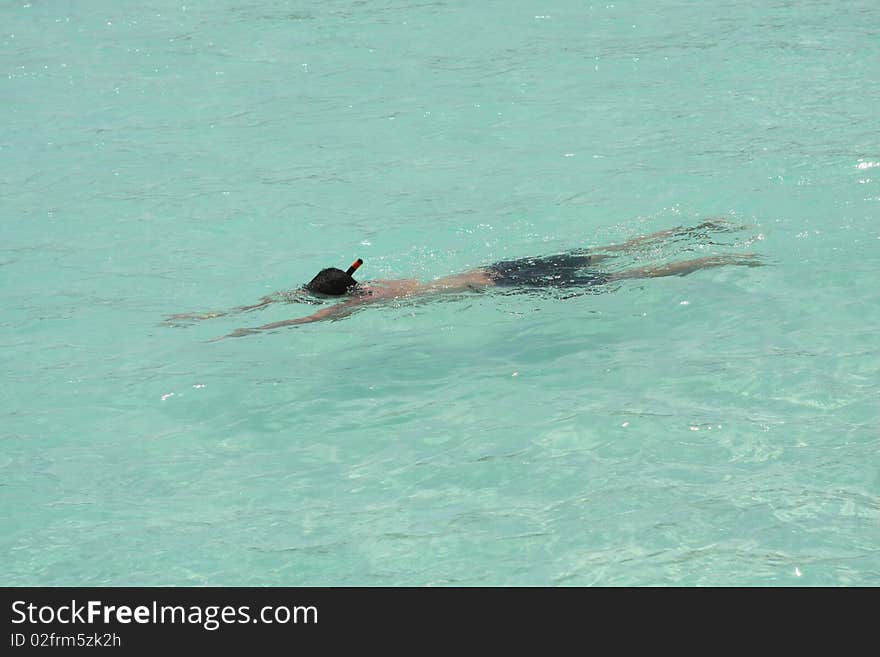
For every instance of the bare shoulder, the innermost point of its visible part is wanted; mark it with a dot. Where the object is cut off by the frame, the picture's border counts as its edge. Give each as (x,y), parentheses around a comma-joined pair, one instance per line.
(387,289)
(475,279)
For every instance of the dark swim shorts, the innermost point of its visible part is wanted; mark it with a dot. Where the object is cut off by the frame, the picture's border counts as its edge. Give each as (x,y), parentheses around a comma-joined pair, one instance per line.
(563,271)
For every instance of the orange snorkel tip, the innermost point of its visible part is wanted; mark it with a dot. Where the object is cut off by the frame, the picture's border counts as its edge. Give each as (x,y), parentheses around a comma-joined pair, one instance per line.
(354,266)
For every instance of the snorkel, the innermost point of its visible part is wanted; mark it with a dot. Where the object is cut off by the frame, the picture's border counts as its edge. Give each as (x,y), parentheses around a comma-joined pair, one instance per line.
(334,282)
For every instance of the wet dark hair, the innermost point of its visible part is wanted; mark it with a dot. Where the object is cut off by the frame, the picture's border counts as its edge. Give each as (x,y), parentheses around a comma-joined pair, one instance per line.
(331,281)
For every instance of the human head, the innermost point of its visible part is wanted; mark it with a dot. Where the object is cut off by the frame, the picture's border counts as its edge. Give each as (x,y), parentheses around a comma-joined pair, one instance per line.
(334,282)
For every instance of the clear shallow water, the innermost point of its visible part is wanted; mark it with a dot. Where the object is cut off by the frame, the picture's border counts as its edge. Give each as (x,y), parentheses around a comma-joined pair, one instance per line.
(164,158)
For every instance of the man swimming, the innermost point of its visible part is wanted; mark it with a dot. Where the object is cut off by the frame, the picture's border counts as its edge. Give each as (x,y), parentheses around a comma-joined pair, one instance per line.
(571,270)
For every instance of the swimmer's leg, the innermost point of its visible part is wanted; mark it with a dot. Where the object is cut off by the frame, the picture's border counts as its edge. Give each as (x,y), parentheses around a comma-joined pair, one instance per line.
(716,224)
(689,266)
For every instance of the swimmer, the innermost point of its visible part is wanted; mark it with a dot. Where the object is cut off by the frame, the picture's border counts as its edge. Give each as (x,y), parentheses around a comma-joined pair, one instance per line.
(572,270)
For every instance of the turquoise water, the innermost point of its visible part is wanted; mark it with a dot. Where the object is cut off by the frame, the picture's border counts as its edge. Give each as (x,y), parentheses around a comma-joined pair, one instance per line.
(715,429)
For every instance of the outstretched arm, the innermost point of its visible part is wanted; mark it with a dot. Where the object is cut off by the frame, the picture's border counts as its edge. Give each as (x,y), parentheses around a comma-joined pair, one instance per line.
(262,303)
(334,312)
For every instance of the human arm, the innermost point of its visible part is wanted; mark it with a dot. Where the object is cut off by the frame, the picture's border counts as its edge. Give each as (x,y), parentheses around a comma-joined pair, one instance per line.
(334,312)
(262,303)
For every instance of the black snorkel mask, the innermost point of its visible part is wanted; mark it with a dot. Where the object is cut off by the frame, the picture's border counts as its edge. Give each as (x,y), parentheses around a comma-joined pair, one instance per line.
(332,282)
